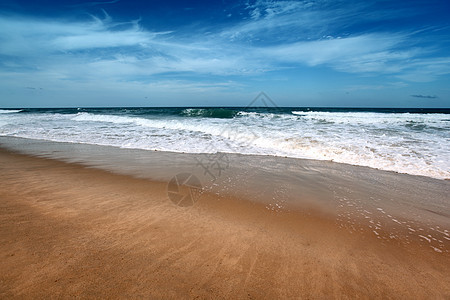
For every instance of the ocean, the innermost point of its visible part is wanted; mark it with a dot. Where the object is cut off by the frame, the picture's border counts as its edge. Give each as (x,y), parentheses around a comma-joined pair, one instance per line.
(412,141)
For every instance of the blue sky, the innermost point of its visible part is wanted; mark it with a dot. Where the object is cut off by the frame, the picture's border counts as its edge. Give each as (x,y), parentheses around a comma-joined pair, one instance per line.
(223,53)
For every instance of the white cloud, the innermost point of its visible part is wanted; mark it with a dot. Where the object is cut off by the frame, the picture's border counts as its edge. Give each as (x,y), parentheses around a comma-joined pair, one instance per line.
(369,53)
(324,51)
(30,37)
(426,69)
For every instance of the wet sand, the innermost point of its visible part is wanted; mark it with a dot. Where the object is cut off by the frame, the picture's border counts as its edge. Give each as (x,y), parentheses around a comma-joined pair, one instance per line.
(69,230)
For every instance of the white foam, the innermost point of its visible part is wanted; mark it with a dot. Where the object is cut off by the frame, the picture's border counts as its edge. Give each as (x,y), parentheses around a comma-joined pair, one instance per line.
(425,238)
(436,249)
(9,111)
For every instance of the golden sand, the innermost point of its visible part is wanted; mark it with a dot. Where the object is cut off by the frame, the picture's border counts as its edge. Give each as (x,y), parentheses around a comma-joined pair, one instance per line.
(66,231)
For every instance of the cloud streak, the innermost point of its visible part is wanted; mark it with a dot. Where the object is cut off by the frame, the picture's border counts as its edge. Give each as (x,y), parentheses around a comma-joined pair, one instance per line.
(424,96)
(94,3)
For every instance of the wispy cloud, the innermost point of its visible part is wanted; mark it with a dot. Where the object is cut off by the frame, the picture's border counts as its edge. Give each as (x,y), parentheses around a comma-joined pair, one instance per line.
(32,37)
(363,53)
(94,3)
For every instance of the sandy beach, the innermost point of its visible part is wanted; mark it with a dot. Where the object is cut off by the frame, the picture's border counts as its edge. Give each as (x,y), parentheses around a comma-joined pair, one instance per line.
(72,231)
(224,149)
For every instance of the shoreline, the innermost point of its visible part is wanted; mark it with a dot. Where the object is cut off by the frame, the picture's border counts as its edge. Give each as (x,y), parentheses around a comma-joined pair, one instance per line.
(406,207)
(11,143)
(73,230)
(44,141)
(163,165)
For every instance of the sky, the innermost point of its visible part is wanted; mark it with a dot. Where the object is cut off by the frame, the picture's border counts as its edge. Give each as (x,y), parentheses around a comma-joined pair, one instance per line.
(327,53)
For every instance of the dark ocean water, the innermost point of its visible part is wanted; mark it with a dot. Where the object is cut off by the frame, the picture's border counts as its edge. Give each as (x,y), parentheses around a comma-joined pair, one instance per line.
(226,112)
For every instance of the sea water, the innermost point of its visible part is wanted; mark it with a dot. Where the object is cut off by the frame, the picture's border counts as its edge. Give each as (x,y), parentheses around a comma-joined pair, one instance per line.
(412,141)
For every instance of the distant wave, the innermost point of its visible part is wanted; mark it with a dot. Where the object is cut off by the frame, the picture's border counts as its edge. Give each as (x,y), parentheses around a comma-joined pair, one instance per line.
(9,111)
(222,113)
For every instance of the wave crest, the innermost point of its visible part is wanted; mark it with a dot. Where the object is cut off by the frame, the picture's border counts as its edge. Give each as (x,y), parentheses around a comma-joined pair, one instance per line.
(221,113)
(9,111)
